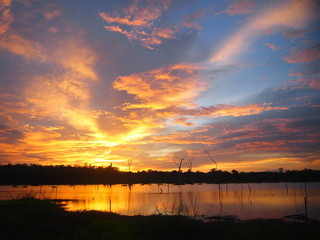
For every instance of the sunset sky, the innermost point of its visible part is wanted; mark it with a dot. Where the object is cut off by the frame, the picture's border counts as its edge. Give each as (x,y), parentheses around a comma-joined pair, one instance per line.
(101,82)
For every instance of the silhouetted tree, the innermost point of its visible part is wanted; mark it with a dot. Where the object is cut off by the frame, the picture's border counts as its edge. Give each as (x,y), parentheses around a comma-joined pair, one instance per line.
(234,172)
(22,174)
(179,162)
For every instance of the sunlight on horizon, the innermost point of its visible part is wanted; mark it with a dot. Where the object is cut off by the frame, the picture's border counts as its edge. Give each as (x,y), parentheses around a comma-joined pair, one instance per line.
(99,83)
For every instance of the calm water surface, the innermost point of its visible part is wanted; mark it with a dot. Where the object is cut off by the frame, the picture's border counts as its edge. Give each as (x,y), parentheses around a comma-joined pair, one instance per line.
(246,201)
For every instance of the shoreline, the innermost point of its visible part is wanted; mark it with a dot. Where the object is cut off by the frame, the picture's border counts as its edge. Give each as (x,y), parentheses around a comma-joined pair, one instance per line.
(68,175)
(42,219)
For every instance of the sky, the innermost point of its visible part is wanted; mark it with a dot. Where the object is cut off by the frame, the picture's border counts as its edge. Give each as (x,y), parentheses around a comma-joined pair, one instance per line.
(149,82)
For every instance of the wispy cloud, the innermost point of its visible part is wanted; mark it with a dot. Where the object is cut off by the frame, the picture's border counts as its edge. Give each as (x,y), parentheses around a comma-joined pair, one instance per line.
(218,111)
(288,15)
(272,46)
(18,45)
(178,84)
(65,93)
(295,34)
(241,7)
(304,55)
(192,20)
(5,16)
(305,82)
(141,20)
(9,135)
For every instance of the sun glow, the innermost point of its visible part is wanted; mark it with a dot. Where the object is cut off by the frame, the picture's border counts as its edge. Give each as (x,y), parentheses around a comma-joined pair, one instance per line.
(154,79)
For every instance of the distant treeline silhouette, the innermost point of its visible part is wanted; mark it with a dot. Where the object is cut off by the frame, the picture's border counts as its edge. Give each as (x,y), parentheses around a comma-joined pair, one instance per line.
(22,174)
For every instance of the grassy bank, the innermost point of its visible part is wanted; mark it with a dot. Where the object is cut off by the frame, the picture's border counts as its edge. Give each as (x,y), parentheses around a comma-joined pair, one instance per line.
(42,219)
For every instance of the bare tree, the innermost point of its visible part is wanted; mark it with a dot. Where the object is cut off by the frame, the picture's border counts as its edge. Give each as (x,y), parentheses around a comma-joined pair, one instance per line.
(129,164)
(179,162)
(211,158)
(190,164)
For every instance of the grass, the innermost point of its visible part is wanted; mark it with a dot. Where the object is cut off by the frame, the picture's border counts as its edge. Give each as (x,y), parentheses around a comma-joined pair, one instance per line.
(43,219)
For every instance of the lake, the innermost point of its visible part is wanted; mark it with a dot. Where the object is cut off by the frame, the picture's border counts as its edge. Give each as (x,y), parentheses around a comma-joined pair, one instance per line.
(245,201)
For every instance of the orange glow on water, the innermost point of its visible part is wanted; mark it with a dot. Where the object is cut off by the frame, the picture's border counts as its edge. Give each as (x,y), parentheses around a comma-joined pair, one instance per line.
(246,201)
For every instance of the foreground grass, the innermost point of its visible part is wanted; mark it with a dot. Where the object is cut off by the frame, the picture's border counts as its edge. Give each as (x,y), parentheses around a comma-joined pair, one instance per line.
(41,219)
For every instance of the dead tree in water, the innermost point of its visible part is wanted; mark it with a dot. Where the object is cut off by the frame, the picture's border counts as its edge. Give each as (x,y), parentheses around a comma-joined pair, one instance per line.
(211,158)
(129,164)
(190,164)
(179,162)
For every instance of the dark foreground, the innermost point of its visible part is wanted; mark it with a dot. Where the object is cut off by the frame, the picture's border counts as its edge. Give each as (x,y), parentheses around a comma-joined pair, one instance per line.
(42,219)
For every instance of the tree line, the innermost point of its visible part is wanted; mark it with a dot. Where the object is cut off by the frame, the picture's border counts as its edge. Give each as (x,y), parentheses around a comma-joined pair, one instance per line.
(23,174)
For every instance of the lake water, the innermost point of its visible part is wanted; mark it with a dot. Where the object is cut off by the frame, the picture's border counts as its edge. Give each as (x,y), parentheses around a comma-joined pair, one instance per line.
(245,201)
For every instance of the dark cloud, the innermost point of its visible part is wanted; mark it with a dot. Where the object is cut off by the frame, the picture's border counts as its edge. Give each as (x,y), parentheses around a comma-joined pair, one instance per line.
(9,135)
(295,130)
(287,97)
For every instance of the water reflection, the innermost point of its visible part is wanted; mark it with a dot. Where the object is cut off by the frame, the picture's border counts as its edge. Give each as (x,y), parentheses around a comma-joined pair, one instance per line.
(246,201)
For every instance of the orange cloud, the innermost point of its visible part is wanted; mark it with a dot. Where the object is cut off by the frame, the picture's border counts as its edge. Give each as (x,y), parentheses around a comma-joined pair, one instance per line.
(21,46)
(304,55)
(241,7)
(45,146)
(270,162)
(218,110)
(61,96)
(14,107)
(74,54)
(272,46)
(161,88)
(63,93)
(136,15)
(263,145)
(182,121)
(192,20)
(142,22)
(297,74)
(166,96)
(50,14)
(294,34)
(290,15)
(183,138)
(6,17)
(307,82)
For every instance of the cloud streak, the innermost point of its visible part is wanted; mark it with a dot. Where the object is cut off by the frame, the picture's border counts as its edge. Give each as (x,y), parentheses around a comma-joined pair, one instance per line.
(241,7)
(164,87)
(304,55)
(288,15)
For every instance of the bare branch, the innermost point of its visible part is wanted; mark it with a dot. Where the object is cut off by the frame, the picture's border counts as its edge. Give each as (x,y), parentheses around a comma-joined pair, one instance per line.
(179,163)
(210,156)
